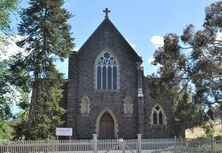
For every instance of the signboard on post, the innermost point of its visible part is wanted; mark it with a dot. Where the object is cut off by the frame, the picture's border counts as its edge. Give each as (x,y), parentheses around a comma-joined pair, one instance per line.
(64,132)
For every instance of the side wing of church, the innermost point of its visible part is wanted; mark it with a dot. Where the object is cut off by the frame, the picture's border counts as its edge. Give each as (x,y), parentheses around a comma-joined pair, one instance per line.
(107,93)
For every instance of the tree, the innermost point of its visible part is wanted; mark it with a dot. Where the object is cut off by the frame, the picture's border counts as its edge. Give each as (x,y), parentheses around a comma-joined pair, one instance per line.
(5,112)
(188,113)
(6,8)
(206,57)
(12,92)
(47,39)
(192,63)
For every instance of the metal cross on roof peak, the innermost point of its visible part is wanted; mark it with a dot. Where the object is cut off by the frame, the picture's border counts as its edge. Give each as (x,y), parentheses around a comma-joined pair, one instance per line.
(106,11)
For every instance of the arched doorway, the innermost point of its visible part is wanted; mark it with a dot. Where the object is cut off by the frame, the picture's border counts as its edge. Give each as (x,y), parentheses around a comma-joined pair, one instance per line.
(106,126)
(108,115)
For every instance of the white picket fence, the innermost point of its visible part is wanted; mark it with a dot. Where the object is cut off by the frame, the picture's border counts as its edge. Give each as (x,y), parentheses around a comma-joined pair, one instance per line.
(174,145)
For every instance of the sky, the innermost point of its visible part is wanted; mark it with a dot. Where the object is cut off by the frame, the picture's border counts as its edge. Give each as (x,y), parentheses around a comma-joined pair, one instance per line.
(142,22)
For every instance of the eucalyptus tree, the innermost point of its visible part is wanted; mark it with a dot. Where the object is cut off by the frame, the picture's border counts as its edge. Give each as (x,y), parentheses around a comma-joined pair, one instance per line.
(191,64)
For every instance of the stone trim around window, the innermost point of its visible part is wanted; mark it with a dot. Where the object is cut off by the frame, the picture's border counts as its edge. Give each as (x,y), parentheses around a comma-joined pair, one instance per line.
(106,71)
(158,116)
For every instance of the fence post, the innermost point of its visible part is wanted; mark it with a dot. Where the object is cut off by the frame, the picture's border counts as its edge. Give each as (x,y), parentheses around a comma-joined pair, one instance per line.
(7,147)
(122,145)
(95,143)
(212,145)
(139,137)
(175,140)
(175,143)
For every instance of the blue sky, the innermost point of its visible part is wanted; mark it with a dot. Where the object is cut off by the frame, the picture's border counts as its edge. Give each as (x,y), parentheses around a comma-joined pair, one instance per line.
(138,21)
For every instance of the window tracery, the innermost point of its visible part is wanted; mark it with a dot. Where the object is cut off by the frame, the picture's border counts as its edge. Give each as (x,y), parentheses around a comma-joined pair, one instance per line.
(106,72)
(158,116)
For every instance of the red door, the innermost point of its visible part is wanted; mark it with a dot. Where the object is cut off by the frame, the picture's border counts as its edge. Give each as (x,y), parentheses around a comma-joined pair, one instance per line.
(106,127)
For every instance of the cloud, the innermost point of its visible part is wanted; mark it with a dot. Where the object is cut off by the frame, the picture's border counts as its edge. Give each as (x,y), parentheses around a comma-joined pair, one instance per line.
(219,36)
(150,60)
(131,44)
(152,69)
(10,48)
(157,40)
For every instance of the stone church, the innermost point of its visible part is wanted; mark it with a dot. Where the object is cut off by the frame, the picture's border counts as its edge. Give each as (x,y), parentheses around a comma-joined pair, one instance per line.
(107,93)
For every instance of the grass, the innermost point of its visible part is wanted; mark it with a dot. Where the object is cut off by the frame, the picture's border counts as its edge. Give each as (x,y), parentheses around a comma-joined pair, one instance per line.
(199,131)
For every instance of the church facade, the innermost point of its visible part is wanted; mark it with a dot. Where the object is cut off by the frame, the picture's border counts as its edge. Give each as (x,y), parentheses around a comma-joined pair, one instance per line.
(107,93)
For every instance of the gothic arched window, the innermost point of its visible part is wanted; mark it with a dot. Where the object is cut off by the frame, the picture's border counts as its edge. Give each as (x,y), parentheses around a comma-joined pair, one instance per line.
(158,116)
(106,72)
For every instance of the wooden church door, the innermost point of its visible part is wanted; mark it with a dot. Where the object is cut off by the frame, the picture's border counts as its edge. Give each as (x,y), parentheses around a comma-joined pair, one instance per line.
(106,127)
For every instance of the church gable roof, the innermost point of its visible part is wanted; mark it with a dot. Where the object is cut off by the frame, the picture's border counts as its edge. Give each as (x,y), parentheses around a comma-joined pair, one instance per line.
(105,30)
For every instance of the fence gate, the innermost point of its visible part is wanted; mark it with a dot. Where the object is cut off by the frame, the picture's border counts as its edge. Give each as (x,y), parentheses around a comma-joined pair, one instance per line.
(122,146)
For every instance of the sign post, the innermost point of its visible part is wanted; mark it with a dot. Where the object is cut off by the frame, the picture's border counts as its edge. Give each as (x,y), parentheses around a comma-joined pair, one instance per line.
(64,132)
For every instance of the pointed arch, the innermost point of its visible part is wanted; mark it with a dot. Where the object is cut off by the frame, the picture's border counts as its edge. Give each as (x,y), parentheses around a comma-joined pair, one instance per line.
(158,116)
(106,68)
(102,112)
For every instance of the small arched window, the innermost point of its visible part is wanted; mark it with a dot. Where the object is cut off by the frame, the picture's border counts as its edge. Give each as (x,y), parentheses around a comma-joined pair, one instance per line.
(106,72)
(158,116)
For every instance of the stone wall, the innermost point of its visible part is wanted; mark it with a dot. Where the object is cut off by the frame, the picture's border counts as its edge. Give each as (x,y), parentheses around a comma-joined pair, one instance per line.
(85,126)
(81,84)
(157,131)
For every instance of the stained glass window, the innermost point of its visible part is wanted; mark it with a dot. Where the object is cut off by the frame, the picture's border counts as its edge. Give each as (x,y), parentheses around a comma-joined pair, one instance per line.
(99,77)
(109,77)
(104,77)
(106,70)
(114,78)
